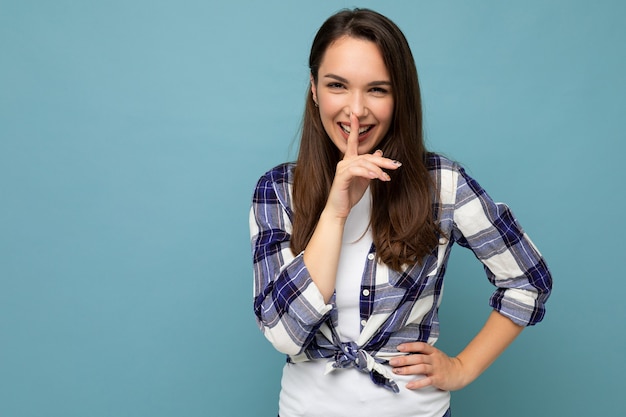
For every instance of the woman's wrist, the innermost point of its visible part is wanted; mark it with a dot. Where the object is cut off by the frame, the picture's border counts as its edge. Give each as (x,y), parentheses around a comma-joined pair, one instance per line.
(331,217)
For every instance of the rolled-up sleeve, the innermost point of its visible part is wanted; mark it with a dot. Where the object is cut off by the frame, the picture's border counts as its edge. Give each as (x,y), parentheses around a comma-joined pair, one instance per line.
(512,262)
(288,306)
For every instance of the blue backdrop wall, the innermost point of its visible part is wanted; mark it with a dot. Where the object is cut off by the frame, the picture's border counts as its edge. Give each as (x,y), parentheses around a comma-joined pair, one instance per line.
(132,134)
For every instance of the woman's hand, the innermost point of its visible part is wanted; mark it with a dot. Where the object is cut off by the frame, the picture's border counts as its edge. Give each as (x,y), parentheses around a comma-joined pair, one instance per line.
(438,369)
(354,173)
(352,177)
(444,372)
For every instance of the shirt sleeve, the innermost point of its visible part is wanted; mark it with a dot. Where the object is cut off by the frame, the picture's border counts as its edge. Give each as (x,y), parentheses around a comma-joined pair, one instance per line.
(289,307)
(512,262)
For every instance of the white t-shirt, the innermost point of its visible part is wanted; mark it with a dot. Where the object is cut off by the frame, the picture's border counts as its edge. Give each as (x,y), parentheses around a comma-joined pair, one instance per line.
(307,391)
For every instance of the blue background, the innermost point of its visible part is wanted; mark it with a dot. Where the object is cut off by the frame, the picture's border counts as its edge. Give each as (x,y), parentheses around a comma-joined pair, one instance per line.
(132,134)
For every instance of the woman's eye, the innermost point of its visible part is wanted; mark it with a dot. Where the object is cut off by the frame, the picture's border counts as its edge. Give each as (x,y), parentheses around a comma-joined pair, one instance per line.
(379,90)
(335,85)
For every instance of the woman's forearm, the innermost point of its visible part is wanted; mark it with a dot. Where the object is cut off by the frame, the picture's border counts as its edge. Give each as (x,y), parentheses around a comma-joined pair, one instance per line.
(495,336)
(321,255)
(453,373)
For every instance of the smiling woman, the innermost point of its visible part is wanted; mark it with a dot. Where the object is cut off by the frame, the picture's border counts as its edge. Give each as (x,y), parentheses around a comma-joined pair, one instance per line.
(350,243)
(355,81)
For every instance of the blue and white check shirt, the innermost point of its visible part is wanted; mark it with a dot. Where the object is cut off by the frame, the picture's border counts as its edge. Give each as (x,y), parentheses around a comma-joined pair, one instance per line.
(395,307)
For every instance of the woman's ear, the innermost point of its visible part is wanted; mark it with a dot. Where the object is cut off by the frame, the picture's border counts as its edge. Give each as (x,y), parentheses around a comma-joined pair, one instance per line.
(313,90)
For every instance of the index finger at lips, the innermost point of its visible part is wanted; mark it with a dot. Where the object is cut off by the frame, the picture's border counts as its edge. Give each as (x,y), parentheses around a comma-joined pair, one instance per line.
(353,139)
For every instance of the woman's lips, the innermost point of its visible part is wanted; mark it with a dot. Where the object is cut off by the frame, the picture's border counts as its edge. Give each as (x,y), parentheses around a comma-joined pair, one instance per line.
(364,131)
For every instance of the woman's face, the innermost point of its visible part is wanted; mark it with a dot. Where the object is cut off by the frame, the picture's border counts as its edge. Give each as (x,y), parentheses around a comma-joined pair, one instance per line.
(352,78)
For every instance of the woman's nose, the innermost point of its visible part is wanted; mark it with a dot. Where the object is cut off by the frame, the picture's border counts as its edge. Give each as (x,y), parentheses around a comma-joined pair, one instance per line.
(357,105)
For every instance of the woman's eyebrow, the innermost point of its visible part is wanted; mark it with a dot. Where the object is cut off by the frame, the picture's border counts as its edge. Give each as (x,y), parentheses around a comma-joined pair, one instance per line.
(343,80)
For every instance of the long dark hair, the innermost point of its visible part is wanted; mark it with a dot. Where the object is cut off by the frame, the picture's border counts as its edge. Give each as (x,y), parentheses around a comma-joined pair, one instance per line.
(402,219)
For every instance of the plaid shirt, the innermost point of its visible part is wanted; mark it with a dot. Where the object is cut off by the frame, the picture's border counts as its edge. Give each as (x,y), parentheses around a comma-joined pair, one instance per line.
(395,307)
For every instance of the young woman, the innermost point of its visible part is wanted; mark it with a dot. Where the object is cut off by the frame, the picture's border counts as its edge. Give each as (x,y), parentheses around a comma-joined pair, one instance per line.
(350,243)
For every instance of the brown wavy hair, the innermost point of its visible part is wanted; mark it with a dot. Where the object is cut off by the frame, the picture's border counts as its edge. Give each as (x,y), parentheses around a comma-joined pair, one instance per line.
(402,217)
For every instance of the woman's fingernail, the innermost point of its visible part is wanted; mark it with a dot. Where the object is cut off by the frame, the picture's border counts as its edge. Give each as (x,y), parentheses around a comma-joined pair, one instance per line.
(397,163)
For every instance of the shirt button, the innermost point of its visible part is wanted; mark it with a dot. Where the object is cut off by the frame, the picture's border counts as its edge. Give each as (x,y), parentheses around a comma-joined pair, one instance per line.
(366,292)
(370,256)
(363,322)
